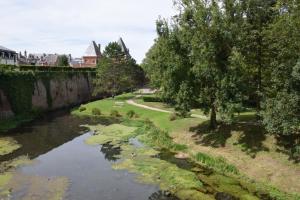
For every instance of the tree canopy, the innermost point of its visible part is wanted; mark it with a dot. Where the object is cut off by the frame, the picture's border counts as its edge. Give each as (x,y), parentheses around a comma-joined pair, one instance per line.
(117,72)
(227,55)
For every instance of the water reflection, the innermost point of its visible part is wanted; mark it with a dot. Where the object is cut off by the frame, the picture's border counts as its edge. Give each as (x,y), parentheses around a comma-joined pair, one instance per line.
(111,152)
(48,133)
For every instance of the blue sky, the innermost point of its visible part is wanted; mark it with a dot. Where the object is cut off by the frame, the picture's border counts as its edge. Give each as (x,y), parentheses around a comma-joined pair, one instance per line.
(68,26)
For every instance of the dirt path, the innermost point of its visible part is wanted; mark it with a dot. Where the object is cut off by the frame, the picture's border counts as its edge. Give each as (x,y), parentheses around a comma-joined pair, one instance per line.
(132,102)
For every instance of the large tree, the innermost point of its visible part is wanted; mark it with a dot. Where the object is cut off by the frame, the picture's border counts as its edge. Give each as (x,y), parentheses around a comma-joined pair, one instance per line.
(281,113)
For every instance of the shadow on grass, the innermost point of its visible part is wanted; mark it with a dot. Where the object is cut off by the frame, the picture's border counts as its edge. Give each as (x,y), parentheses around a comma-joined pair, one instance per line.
(290,145)
(250,140)
(215,138)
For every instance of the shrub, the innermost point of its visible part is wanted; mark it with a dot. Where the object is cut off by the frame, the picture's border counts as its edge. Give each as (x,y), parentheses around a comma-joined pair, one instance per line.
(115,113)
(131,114)
(82,108)
(173,117)
(152,99)
(96,111)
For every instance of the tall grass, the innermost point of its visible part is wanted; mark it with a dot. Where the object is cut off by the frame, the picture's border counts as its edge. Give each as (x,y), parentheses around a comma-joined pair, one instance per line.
(218,164)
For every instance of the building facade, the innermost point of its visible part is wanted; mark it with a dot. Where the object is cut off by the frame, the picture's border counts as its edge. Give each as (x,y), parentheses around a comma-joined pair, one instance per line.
(7,56)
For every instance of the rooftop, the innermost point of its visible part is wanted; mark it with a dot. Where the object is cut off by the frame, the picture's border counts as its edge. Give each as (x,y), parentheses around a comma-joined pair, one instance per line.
(93,50)
(6,49)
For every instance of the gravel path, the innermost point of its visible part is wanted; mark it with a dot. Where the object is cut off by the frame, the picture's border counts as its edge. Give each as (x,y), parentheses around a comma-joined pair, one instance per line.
(131,102)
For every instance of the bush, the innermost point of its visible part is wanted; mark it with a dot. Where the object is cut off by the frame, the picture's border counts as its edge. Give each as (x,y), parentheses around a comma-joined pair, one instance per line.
(82,108)
(152,99)
(115,113)
(131,114)
(173,117)
(96,111)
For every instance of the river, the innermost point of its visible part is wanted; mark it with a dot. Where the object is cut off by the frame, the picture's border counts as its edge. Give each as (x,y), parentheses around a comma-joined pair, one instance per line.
(56,143)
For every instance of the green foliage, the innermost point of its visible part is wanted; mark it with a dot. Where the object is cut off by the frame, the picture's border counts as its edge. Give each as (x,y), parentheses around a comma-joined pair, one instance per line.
(63,60)
(280,114)
(155,137)
(19,87)
(49,69)
(114,51)
(173,117)
(220,56)
(216,163)
(183,100)
(131,114)
(151,99)
(115,113)
(117,72)
(96,111)
(82,108)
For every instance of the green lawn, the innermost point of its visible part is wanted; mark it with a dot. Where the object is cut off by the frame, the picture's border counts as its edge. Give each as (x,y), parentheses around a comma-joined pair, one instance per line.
(160,119)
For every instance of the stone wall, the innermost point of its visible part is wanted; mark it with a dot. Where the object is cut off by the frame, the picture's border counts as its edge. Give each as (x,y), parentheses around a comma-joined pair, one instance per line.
(5,108)
(61,93)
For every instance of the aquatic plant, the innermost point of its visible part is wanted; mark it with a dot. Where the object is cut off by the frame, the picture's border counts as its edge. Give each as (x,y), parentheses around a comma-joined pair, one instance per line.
(8,145)
(114,134)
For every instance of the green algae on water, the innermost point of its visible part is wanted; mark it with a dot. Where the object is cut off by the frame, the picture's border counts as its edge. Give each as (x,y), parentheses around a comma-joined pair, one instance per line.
(153,170)
(113,134)
(8,145)
(143,160)
(31,187)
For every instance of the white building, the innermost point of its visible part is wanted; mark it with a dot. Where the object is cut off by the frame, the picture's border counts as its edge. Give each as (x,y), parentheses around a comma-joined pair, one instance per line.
(7,56)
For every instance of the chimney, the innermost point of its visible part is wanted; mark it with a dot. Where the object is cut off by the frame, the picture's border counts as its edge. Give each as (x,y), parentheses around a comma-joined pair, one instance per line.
(99,46)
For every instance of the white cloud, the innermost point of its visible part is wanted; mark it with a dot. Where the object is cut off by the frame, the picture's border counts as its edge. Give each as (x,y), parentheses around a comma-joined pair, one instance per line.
(68,26)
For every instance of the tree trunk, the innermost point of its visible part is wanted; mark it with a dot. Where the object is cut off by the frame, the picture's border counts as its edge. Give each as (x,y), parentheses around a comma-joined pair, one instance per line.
(213,117)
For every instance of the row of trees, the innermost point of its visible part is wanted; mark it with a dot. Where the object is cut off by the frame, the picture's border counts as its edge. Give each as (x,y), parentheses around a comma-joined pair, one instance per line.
(224,55)
(117,71)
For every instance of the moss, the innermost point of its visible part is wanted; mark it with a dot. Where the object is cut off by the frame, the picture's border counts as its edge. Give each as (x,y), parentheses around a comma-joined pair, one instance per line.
(5,178)
(38,187)
(14,163)
(8,145)
(143,160)
(154,170)
(193,195)
(18,87)
(115,134)
(228,185)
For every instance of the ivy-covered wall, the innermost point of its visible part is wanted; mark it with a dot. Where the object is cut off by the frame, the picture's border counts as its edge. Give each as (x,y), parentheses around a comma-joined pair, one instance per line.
(49,89)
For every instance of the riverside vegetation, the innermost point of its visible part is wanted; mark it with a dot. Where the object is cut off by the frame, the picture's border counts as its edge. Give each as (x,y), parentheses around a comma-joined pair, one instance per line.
(196,176)
(18,83)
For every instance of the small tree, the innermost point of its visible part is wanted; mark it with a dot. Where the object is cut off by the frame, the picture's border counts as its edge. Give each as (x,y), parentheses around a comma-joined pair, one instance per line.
(116,72)
(63,61)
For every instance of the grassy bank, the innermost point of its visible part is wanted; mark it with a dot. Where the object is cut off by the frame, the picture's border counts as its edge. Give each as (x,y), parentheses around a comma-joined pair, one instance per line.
(163,133)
